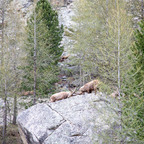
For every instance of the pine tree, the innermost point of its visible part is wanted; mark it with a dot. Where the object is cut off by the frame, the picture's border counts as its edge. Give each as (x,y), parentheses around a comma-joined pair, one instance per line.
(50,17)
(42,49)
(133,109)
(138,51)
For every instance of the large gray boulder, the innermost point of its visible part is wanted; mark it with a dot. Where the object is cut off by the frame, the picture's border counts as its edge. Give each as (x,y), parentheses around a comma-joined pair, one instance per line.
(75,120)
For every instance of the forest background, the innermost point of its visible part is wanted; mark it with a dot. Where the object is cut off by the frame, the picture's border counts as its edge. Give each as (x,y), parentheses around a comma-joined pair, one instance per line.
(107,43)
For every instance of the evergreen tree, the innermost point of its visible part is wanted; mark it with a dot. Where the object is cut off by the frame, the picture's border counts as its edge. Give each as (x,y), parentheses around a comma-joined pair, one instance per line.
(133,109)
(138,51)
(50,17)
(43,49)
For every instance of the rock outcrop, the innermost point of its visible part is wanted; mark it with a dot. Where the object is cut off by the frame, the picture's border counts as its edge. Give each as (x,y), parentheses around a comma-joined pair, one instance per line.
(75,120)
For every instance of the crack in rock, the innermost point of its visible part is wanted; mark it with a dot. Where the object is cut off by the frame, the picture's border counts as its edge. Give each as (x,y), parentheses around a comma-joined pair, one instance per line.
(101,99)
(79,134)
(60,115)
(56,128)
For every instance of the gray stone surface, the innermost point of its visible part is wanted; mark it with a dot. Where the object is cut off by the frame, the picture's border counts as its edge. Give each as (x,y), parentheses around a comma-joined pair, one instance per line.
(25,8)
(69,121)
(38,122)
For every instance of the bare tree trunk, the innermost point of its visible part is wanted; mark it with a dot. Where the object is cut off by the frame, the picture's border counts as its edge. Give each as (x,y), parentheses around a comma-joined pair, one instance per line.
(3,13)
(35,58)
(15,110)
(5,115)
(80,75)
(142,10)
(119,87)
(16,78)
(8,111)
(15,95)
(107,2)
(118,63)
(83,78)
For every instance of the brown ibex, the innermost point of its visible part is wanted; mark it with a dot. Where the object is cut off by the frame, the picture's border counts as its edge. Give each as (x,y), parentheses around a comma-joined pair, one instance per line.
(63,58)
(61,95)
(27,93)
(89,87)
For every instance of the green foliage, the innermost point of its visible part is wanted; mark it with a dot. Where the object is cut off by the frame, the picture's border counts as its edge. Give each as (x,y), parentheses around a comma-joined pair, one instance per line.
(48,36)
(133,118)
(96,38)
(103,87)
(50,18)
(101,28)
(138,52)
(133,110)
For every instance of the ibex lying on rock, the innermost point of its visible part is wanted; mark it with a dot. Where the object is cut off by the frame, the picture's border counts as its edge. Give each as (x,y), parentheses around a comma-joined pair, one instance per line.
(89,87)
(61,95)
(63,58)
(27,93)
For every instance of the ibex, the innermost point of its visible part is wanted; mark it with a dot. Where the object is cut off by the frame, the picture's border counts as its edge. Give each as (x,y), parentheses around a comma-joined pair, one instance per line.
(27,93)
(89,87)
(63,58)
(61,95)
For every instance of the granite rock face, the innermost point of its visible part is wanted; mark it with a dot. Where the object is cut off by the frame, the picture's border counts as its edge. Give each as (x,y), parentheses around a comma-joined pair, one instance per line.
(75,120)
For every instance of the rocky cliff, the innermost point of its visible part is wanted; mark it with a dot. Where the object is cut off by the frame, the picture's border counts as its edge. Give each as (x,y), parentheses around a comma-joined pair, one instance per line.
(75,120)
(63,7)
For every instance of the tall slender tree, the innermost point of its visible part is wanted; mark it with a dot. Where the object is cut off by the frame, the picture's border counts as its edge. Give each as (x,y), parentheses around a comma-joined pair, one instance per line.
(42,49)
(133,109)
(35,55)
(4,66)
(10,58)
(15,42)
